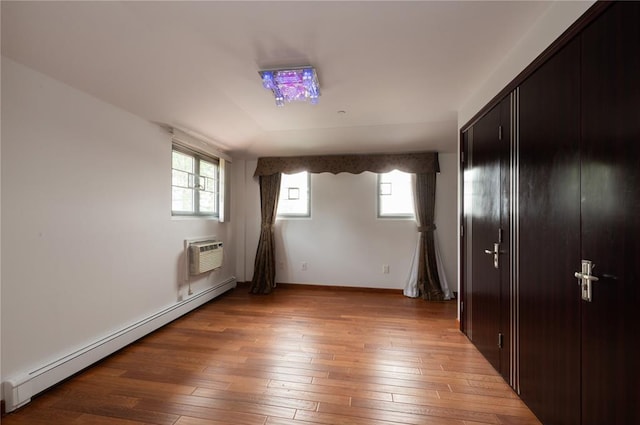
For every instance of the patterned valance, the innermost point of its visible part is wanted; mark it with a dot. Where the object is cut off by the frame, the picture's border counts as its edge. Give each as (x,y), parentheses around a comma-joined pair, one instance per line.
(420,162)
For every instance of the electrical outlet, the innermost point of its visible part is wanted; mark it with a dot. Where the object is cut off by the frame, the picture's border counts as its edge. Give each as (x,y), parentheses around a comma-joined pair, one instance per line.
(385,268)
(303,266)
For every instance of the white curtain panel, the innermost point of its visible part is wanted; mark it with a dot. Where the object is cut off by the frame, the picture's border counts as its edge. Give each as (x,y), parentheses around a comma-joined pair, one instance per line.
(411,287)
(444,284)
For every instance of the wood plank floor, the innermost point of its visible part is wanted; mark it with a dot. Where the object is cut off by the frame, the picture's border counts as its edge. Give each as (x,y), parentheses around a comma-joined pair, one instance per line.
(299,356)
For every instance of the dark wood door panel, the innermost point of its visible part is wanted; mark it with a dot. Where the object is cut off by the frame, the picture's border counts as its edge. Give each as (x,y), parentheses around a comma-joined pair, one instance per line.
(485,221)
(611,215)
(486,204)
(549,229)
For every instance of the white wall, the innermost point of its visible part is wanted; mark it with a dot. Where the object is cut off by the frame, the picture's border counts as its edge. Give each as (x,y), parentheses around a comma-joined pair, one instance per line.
(88,242)
(447,216)
(252,218)
(546,30)
(343,243)
(240,214)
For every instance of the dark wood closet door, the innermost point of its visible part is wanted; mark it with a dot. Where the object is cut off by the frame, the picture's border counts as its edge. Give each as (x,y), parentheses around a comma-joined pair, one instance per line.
(549,236)
(487,155)
(611,215)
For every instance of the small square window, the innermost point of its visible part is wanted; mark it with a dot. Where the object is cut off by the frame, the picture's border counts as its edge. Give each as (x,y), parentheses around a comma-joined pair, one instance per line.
(294,193)
(385,188)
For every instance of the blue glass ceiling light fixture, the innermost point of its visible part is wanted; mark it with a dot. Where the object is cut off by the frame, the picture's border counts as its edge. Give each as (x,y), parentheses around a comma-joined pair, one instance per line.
(294,84)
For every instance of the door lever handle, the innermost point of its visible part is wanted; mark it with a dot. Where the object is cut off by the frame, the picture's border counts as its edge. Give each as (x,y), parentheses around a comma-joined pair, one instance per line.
(496,254)
(586,278)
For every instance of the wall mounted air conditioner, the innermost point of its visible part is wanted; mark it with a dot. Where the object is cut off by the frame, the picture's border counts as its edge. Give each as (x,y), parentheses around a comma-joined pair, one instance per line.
(204,256)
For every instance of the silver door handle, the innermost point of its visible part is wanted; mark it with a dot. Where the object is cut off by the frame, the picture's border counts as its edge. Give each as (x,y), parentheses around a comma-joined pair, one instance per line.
(496,250)
(496,254)
(586,278)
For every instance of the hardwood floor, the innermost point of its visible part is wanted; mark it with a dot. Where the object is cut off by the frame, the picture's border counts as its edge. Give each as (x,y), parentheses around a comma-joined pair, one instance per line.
(299,356)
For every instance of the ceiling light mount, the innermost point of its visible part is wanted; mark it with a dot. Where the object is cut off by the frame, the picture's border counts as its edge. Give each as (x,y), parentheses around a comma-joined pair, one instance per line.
(292,84)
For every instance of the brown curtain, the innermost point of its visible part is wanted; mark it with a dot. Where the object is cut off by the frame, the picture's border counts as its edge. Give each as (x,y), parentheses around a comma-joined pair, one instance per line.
(424,164)
(264,269)
(418,162)
(425,198)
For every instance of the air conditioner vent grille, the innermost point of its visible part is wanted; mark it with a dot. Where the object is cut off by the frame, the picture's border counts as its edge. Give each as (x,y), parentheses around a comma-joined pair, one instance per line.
(205,256)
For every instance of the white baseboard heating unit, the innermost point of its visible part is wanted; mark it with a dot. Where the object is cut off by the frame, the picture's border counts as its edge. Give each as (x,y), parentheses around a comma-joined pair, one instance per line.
(205,256)
(20,388)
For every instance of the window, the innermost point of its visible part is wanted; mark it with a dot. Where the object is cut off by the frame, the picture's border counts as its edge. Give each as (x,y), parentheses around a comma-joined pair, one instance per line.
(395,195)
(294,195)
(194,183)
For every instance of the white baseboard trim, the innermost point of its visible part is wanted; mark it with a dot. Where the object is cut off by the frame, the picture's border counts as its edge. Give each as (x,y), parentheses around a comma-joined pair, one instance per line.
(19,389)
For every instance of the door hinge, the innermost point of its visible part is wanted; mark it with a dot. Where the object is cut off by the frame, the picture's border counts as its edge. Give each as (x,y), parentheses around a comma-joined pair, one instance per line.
(462,157)
(500,132)
(462,230)
(500,340)
(461,306)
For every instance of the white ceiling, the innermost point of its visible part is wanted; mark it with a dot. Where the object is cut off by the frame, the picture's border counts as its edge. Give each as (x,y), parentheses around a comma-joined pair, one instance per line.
(400,70)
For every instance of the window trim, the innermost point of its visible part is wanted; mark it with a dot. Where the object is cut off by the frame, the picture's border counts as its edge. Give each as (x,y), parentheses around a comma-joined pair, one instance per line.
(298,215)
(198,156)
(379,215)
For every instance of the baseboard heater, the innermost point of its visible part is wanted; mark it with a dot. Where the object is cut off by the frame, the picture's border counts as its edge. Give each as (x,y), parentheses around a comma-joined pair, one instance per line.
(19,389)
